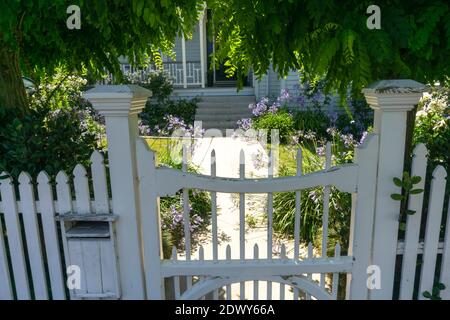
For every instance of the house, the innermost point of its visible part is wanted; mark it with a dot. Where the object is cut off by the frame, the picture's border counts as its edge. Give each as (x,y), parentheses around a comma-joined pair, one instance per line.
(221,104)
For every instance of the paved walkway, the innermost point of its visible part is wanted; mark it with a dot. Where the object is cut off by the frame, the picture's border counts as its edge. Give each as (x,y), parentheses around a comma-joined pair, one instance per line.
(227,162)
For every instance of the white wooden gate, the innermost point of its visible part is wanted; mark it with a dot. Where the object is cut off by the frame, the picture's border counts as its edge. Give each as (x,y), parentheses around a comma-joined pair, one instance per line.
(211,275)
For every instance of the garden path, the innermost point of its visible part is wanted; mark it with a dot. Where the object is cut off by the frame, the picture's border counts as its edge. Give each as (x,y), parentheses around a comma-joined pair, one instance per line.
(227,165)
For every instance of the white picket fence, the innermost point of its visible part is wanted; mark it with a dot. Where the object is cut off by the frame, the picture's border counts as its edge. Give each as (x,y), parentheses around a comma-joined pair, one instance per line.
(114,237)
(431,245)
(37,262)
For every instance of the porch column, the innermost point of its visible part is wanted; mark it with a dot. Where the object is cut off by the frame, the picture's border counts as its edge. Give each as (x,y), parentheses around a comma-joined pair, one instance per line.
(391,100)
(120,105)
(202,32)
(183,54)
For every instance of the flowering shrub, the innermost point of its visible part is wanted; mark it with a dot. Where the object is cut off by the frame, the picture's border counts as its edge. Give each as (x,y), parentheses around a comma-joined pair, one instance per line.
(312,199)
(304,113)
(172,220)
(61,129)
(281,120)
(432,126)
(162,115)
(171,208)
(306,96)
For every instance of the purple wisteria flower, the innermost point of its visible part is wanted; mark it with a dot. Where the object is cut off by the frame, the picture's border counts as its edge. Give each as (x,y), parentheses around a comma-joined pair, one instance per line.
(144,130)
(274,107)
(284,96)
(245,124)
(260,107)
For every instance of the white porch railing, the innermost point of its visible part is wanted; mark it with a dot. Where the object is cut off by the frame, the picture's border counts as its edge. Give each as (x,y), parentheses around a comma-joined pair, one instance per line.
(174,71)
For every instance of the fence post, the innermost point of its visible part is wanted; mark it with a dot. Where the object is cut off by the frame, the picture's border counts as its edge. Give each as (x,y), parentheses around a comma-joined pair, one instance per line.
(120,105)
(391,100)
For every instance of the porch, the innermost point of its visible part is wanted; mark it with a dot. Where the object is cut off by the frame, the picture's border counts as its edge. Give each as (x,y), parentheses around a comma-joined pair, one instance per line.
(193,66)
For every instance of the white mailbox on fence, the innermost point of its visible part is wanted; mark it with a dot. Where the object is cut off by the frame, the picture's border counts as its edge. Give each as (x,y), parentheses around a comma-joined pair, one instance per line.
(90,254)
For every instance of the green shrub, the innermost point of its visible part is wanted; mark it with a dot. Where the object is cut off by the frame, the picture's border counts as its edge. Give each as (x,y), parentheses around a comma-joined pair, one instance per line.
(311,120)
(432,127)
(172,207)
(312,199)
(159,115)
(360,120)
(159,84)
(280,120)
(162,114)
(60,131)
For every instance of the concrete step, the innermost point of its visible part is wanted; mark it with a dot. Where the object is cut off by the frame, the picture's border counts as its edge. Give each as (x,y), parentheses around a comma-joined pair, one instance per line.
(219,124)
(206,112)
(212,117)
(227,98)
(223,112)
(218,107)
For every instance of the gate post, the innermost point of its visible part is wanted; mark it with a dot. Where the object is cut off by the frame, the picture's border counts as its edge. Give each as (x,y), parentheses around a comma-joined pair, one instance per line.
(391,100)
(120,105)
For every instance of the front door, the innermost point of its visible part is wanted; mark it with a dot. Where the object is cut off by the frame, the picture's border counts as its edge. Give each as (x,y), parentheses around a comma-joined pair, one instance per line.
(216,73)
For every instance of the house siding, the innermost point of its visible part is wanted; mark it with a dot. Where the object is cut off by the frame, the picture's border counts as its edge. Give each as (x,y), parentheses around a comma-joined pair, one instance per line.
(192,48)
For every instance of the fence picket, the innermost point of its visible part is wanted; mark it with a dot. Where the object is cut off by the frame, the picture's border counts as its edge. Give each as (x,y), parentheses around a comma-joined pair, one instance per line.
(186,216)
(201,257)
(63,193)
(13,230)
(51,236)
(309,275)
(64,206)
(445,265)
(255,283)
(176,279)
(298,214)
(6,292)
(228,258)
(335,284)
(33,241)
(101,197)
(270,221)
(419,167)
(242,219)
(282,285)
(81,186)
(435,207)
(214,217)
(326,210)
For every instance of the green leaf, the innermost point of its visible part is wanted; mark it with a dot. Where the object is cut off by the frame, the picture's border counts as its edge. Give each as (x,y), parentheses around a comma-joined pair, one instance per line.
(416,191)
(427,295)
(416,179)
(410,212)
(396,197)
(440,286)
(139,7)
(397,182)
